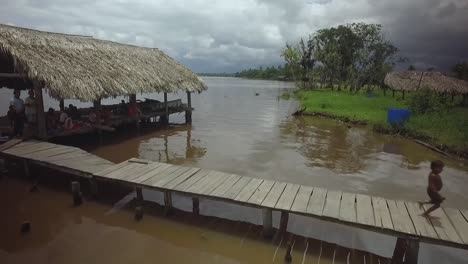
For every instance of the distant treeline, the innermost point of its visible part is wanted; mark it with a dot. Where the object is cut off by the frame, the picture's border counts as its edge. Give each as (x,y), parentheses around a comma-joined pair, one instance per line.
(264,73)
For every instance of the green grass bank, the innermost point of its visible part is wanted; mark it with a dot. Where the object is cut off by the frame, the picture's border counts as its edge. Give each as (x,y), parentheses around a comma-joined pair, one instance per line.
(446,130)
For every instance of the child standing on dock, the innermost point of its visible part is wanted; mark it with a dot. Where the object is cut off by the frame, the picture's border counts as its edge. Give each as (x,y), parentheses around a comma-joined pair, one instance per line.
(434,187)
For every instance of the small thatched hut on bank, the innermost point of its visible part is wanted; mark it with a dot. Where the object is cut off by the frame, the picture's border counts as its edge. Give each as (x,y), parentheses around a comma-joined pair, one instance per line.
(435,81)
(88,69)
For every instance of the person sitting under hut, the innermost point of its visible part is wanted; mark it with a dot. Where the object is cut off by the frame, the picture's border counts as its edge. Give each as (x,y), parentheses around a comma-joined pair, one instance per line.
(51,121)
(65,120)
(30,108)
(73,112)
(123,108)
(18,105)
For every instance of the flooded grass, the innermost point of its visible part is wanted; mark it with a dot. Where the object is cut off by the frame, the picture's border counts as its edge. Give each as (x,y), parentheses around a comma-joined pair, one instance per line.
(447,129)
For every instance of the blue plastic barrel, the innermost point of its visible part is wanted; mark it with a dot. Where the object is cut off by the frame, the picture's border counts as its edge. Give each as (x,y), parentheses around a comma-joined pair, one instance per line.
(398,116)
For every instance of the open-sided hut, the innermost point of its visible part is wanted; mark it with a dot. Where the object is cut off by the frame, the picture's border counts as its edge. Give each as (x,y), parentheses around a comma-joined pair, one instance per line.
(435,81)
(85,68)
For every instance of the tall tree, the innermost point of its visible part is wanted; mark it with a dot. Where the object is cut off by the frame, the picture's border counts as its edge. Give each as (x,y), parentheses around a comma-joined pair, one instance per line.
(461,70)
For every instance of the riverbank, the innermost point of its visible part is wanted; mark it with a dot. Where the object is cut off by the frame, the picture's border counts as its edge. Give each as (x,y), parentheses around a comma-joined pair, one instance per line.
(446,131)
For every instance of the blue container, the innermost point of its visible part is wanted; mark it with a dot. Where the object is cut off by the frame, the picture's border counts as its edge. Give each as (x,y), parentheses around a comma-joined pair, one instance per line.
(398,116)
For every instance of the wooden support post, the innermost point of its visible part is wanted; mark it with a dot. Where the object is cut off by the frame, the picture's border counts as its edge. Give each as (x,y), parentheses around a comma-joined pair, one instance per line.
(403,95)
(267,222)
(133,105)
(41,119)
(167,202)
(139,213)
(26,168)
(412,251)
(166,110)
(399,251)
(76,192)
(196,205)
(188,112)
(287,256)
(62,104)
(139,194)
(97,109)
(93,186)
(284,221)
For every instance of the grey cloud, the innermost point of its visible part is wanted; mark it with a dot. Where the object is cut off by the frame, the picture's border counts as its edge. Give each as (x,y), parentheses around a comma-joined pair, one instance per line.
(231,35)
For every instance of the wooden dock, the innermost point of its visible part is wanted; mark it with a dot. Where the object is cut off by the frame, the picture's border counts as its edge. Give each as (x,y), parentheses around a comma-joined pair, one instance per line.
(448,226)
(62,158)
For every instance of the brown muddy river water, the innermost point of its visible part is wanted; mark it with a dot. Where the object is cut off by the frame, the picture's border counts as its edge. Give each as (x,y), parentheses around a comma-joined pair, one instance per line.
(238,132)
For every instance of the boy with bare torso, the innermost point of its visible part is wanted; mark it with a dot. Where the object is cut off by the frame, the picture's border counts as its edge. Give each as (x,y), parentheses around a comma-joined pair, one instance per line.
(434,187)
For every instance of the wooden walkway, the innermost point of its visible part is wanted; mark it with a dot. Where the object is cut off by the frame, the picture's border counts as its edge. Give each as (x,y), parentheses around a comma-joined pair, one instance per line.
(448,226)
(63,158)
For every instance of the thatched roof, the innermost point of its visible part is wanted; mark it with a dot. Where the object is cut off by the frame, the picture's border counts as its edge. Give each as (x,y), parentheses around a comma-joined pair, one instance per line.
(86,68)
(436,81)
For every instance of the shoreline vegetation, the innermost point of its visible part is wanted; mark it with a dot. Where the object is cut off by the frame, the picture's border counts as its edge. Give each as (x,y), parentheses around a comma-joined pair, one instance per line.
(279,73)
(445,131)
(341,73)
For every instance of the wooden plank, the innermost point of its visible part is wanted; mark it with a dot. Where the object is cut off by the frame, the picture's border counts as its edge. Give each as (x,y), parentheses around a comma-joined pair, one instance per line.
(181,178)
(274,195)
(227,184)
(10,143)
(142,161)
(381,213)
(400,217)
(145,168)
(53,153)
(245,194)
(46,152)
(170,177)
(192,180)
(160,175)
(97,168)
(261,192)
(233,192)
(71,155)
(202,182)
(87,161)
(364,210)
(25,144)
(422,225)
(140,179)
(19,152)
(287,198)
(317,201)
(332,204)
(221,177)
(111,169)
(460,223)
(302,199)
(68,161)
(204,185)
(443,226)
(26,148)
(348,207)
(117,174)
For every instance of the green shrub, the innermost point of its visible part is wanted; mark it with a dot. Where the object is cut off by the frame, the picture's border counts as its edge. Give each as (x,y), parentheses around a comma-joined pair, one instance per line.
(425,101)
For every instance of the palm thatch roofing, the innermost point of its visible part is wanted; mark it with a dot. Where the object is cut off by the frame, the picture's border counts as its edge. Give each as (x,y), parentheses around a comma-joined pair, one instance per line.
(85,68)
(435,81)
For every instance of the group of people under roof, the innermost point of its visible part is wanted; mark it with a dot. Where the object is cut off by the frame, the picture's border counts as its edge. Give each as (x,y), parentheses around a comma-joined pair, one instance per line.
(23,112)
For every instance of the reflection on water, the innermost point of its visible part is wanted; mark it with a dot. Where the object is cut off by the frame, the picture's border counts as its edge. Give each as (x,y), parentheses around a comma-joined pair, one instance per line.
(92,233)
(236,131)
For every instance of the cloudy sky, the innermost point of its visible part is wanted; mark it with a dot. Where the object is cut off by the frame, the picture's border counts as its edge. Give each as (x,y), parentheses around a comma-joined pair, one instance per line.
(226,36)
